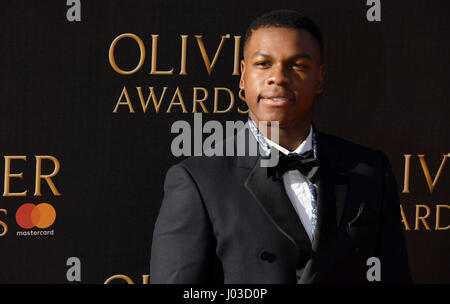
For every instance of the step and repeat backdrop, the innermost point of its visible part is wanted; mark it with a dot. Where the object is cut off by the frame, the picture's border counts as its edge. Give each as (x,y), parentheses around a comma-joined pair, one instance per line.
(90,91)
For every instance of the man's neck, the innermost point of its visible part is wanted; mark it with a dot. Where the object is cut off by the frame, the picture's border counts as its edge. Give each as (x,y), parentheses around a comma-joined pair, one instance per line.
(289,137)
(292,139)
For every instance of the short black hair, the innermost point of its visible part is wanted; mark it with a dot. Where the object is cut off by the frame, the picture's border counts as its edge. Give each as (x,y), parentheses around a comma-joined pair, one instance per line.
(288,19)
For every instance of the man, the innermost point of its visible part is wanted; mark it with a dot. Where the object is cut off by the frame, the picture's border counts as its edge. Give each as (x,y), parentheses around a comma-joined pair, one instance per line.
(316,217)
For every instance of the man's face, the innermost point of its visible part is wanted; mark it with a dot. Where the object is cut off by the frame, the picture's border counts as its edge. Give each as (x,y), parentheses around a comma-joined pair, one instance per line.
(281,74)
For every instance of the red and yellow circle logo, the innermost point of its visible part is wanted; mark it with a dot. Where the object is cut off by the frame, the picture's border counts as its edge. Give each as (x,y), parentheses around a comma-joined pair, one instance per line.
(30,215)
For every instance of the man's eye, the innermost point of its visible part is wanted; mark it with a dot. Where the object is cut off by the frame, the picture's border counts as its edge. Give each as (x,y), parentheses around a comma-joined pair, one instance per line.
(299,66)
(262,64)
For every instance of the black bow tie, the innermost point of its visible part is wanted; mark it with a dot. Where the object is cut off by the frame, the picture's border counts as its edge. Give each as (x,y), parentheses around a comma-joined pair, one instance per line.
(304,162)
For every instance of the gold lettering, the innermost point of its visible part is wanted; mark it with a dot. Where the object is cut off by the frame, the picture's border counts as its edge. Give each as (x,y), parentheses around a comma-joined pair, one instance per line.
(3,224)
(422,218)
(200,101)
(112,60)
(183,54)
(208,64)
(9,175)
(154,58)
(152,95)
(404,220)
(237,42)
(145,278)
(47,177)
(242,97)
(426,172)
(128,102)
(438,216)
(121,277)
(216,100)
(180,103)
(406,178)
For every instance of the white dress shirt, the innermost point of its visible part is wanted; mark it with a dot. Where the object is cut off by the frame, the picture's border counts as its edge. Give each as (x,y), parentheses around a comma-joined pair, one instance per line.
(296,185)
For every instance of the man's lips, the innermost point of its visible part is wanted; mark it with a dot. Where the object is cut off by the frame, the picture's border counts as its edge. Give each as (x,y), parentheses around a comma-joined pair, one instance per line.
(277,100)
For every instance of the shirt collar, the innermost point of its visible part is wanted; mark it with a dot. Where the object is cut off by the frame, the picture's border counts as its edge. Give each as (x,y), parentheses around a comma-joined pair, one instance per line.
(306,145)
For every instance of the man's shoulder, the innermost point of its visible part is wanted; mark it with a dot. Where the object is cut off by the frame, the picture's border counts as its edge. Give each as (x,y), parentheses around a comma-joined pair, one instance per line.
(203,161)
(208,168)
(337,142)
(222,156)
(351,154)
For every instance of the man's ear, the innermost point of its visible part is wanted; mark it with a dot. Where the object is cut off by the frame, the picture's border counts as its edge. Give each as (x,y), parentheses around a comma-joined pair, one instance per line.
(321,79)
(241,81)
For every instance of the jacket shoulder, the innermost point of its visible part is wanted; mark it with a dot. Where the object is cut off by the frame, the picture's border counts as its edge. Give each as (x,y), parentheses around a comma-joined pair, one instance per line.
(211,163)
(339,142)
(351,154)
(205,167)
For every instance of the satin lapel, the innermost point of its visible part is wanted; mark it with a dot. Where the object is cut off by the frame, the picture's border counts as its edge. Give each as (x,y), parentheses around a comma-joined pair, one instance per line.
(271,197)
(332,191)
(331,199)
(333,184)
(327,207)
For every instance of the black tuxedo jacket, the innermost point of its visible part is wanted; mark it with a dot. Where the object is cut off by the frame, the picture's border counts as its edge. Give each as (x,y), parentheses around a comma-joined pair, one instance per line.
(223,220)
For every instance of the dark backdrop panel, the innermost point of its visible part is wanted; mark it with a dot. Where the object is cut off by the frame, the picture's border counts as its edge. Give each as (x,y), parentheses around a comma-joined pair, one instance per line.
(387,88)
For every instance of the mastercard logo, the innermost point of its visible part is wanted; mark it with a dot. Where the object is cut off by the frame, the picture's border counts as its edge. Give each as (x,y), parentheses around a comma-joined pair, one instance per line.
(29,215)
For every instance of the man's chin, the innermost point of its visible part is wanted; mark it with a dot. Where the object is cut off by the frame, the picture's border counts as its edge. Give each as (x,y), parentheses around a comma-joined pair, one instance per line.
(268,118)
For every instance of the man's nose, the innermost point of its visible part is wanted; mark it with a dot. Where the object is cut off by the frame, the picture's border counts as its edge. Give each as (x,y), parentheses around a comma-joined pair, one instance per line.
(278,75)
